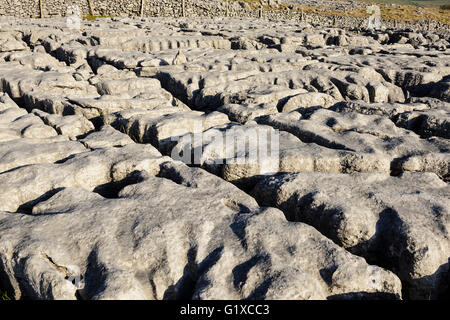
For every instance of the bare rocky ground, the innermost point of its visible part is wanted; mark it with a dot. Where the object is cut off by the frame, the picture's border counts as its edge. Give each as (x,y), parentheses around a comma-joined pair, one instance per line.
(96,204)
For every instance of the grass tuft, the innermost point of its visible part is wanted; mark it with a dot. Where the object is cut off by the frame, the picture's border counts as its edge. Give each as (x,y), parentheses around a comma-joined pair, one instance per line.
(4,296)
(404,10)
(91,17)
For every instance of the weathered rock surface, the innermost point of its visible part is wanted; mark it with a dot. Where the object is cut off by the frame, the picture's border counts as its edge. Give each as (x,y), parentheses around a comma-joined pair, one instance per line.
(244,154)
(161,127)
(427,123)
(246,112)
(222,245)
(17,123)
(401,223)
(367,134)
(106,137)
(20,152)
(425,116)
(85,170)
(71,126)
(344,129)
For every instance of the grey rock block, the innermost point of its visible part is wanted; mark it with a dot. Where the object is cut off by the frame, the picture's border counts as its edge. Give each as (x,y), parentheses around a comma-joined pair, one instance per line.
(71,126)
(25,151)
(86,170)
(221,246)
(400,223)
(106,137)
(366,134)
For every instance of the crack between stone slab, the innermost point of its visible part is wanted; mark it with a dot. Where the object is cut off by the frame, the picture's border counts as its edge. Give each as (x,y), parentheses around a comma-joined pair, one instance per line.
(64,270)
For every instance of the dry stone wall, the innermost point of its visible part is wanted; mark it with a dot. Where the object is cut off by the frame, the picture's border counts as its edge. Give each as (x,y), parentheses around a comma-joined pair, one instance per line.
(193,9)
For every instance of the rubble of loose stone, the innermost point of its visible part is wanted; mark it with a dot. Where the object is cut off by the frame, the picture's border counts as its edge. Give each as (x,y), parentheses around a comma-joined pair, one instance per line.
(119,160)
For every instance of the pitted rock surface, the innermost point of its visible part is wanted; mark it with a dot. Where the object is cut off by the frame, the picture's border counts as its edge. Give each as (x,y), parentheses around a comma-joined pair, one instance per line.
(223,158)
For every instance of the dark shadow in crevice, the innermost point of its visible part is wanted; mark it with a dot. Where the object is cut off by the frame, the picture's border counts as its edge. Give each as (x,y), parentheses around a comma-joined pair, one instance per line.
(247,184)
(16,168)
(238,228)
(327,274)
(94,278)
(185,286)
(435,286)
(432,89)
(167,171)
(65,159)
(261,290)
(177,90)
(240,272)
(97,122)
(396,168)
(111,189)
(5,284)
(364,296)
(27,207)
(203,267)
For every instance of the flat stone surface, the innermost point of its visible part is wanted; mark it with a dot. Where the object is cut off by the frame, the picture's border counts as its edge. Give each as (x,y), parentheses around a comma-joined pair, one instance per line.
(20,152)
(105,137)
